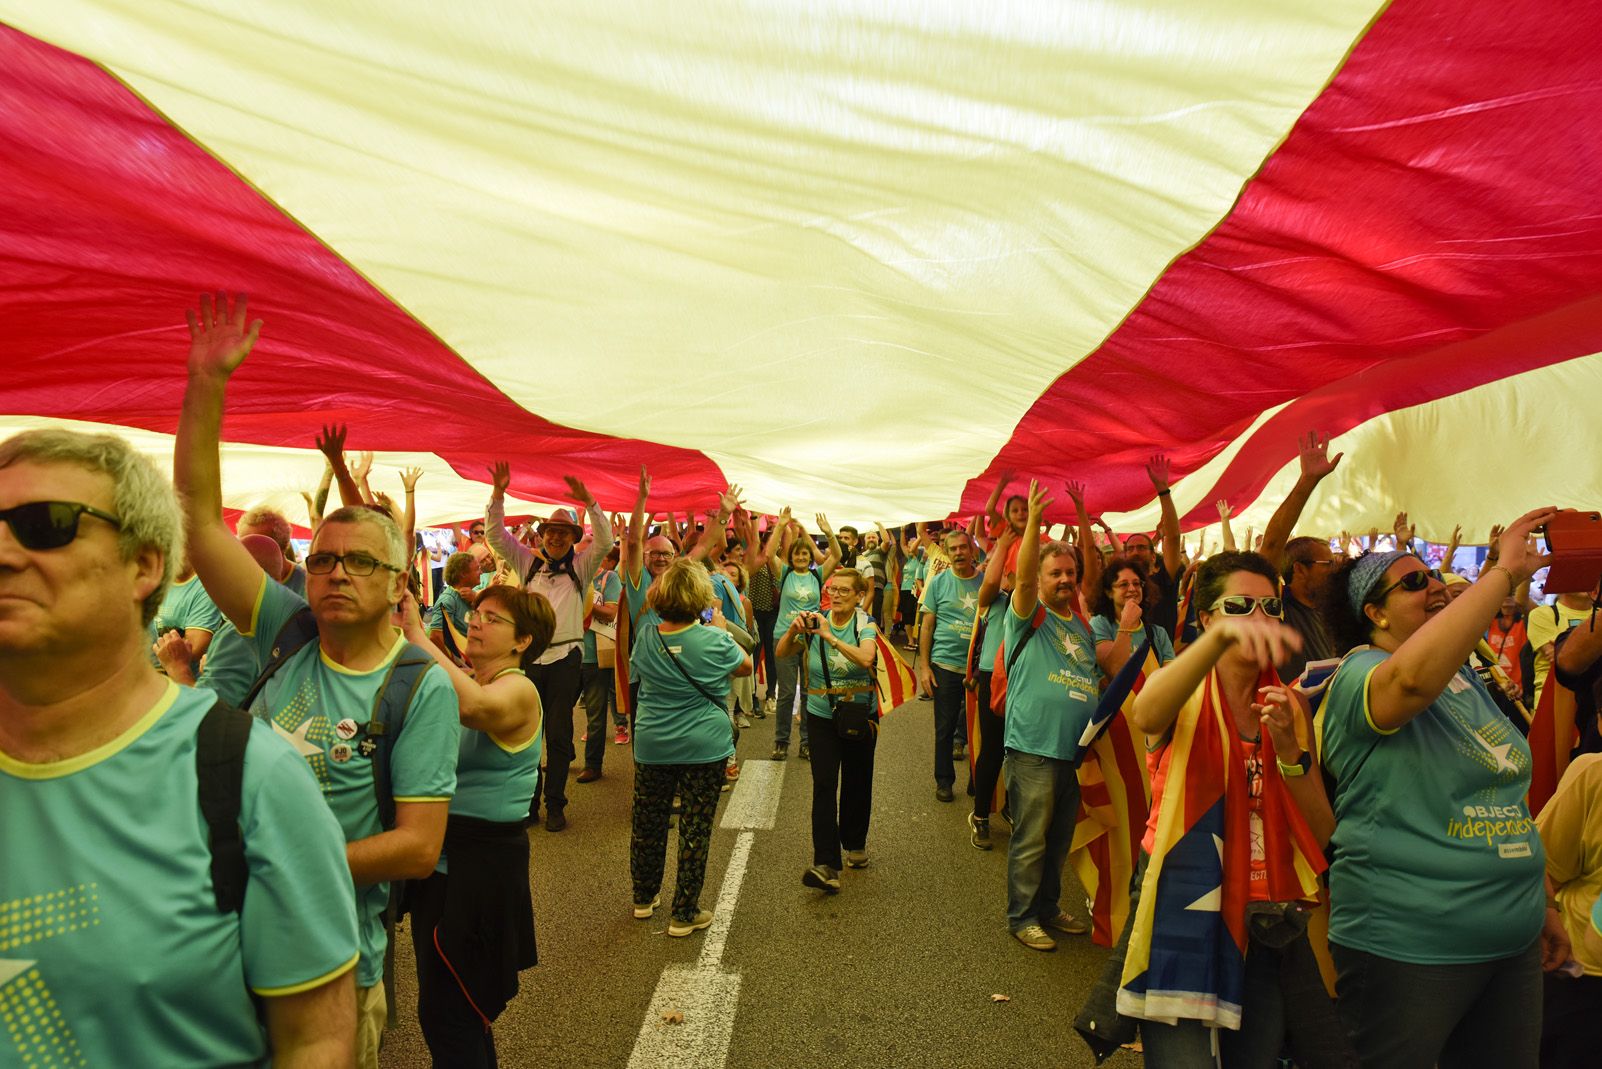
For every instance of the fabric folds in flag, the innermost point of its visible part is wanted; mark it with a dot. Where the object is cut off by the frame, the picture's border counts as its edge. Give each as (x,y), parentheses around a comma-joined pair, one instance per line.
(1552,738)
(1114,799)
(893,680)
(1187,950)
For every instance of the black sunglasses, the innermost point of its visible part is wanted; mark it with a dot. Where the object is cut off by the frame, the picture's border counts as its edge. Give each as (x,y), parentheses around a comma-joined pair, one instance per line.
(1412,582)
(50,524)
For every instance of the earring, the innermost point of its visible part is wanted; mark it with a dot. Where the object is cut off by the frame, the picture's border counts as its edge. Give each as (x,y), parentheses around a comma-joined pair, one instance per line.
(1385,625)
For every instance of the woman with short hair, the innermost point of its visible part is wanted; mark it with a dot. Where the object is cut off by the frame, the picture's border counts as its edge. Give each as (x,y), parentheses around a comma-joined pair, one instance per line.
(1439,922)
(473,919)
(682,737)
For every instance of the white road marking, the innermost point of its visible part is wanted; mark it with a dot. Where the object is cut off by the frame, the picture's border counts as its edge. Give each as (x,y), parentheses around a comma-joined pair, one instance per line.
(754,802)
(728,895)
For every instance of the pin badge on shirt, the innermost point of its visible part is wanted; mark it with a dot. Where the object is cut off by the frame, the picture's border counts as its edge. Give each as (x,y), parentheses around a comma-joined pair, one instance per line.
(339,753)
(366,747)
(346,728)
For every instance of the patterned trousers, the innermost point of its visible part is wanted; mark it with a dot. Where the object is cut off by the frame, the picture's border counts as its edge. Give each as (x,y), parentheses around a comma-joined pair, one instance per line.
(698,787)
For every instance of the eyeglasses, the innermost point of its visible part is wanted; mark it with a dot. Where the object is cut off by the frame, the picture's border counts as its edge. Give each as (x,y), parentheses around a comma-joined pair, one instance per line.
(842,591)
(356,564)
(1243,604)
(484,616)
(662,553)
(478,531)
(1412,582)
(50,524)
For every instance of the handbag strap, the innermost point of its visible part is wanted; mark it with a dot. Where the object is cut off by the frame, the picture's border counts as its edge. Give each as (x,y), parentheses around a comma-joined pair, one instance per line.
(823,657)
(667,650)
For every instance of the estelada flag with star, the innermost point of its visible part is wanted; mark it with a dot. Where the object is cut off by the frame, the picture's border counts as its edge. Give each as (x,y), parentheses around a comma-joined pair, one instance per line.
(893,681)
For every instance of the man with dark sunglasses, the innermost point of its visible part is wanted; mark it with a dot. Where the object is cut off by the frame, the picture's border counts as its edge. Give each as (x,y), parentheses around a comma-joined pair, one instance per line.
(129,955)
(323,696)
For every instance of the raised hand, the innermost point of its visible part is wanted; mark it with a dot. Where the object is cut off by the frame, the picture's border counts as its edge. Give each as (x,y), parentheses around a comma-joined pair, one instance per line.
(1076,493)
(645,486)
(576,491)
(1157,472)
(1518,554)
(500,474)
(730,499)
(1224,511)
(1494,544)
(1276,708)
(409,477)
(331,444)
(1316,462)
(219,340)
(823,524)
(1039,501)
(363,465)
(1402,530)
(1265,641)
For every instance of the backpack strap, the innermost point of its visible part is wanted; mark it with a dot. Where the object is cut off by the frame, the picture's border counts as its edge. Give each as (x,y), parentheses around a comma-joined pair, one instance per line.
(297,631)
(1035,620)
(220,775)
(390,705)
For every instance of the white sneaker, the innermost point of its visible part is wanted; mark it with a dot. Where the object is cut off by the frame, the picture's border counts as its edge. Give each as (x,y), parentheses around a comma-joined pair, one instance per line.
(679,928)
(745,721)
(1035,938)
(643,910)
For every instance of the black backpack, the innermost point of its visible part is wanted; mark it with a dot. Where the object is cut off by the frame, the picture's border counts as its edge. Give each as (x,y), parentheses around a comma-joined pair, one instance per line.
(220,753)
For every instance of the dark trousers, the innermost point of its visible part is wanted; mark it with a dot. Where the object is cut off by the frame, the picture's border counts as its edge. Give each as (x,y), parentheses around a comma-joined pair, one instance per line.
(455,1034)
(765,619)
(1404,1016)
(698,787)
(842,791)
(558,683)
(950,722)
(1571,1022)
(597,686)
(987,767)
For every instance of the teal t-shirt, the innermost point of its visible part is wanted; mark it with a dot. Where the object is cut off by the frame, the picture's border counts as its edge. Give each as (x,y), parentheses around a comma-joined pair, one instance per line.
(994,629)
(1103,629)
(1436,858)
(496,781)
(112,949)
(187,607)
(1052,688)
(452,605)
(319,707)
(799,592)
(843,672)
(911,572)
(676,724)
(610,587)
(230,666)
(955,604)
(641,615)
(729,602)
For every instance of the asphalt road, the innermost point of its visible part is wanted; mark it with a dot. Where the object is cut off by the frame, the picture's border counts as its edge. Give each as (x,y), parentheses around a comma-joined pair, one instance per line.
(896,970)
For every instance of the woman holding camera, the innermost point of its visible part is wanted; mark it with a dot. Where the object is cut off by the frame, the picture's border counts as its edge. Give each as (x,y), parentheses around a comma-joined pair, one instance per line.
(1439,923)
(837,652)
(682,738)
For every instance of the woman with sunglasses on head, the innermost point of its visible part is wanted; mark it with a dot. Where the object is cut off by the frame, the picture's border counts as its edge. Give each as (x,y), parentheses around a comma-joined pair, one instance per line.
(473,919)
(1238,814)
(1439,923)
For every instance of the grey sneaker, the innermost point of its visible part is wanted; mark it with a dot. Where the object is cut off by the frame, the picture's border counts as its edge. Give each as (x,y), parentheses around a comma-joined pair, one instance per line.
(745,721)
(678,928)
(1066,922)
(644,910)
(856,859)
(823,878)
(1035,938)
(980,832)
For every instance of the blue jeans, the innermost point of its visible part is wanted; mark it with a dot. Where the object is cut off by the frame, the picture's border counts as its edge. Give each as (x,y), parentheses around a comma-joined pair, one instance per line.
(1043,793)
(789,676)
(597,687)
(950,722)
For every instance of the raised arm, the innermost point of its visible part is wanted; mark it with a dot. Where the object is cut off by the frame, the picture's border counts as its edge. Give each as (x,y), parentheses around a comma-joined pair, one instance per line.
(506,707)
(331,443)
(1451,549)
(992,512)
(1403,532)
(409,477)
(1157,472)
(1087,542)
(589,559)
(219,341)
(1316,464)
(1170,687)
(1224,513)
(360,471)
(1408,681)
(1026,594)
(728,503)
(1113,540)
(634,552)
(505,544)
(995,568)
(832,560)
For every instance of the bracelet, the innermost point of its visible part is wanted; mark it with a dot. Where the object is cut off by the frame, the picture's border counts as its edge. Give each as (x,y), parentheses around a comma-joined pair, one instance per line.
(1512,584)
(1128,630)
(1163,493)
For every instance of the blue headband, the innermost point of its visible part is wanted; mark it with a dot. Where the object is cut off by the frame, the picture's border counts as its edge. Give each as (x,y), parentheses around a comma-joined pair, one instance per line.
(1366,574)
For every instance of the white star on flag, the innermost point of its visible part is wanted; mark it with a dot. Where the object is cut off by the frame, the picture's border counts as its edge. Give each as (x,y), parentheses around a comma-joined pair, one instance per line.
(297,738)
(1213,900)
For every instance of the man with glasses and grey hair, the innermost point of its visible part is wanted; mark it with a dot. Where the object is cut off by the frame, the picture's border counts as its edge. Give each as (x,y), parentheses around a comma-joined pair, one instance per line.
(132,949)
(322,697)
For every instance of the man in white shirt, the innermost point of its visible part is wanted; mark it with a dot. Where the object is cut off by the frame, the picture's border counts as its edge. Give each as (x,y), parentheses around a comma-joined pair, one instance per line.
(563,576)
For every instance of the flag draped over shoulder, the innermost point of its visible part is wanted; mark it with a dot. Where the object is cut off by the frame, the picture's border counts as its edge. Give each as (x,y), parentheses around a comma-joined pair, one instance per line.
(1187,950)
(1552,739)
(1114,798)
(893,681)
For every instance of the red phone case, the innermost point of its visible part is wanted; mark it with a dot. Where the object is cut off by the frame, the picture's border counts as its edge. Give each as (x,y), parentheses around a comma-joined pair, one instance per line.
(1575,541)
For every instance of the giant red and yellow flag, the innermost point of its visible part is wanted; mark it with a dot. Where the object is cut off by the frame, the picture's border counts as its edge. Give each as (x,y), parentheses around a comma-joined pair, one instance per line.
(579,237)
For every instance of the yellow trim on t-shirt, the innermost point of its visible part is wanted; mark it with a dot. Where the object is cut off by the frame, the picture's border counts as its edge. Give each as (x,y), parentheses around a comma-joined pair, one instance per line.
(255,610)
(57,769)
(394,651)
(399,798)
(1367,714)
(296,989)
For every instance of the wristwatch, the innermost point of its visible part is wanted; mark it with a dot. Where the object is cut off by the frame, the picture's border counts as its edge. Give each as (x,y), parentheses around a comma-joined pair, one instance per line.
(1302,766)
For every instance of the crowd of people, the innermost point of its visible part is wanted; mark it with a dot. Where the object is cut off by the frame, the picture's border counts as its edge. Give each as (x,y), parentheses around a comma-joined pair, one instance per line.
(1338,858)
